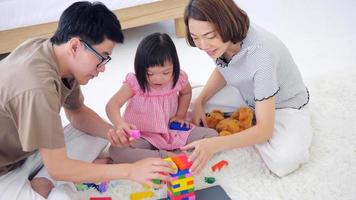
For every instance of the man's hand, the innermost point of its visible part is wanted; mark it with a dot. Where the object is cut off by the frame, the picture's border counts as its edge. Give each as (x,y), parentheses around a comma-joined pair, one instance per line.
(144,171)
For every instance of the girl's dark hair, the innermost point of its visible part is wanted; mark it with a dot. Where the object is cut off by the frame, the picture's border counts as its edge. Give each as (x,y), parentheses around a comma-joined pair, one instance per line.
(92,22)
(155,50)
(231,22)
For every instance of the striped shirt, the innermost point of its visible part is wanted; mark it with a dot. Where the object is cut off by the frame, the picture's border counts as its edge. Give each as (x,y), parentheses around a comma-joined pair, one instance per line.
(264,68)
(151,112)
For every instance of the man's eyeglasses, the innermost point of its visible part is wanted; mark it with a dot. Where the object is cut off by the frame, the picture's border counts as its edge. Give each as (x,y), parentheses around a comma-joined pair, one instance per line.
(103,61)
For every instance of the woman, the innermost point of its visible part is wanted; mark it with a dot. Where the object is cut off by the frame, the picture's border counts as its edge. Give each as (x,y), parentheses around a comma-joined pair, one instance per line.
(260,67)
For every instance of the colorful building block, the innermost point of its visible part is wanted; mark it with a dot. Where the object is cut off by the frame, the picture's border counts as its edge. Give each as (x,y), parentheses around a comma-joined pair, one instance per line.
(218,166)
(81,187)
(100,198)
(174,166)
(141,195)
(177,126)
(102,187)
(209,180)
(181,186)
(135,134)
(182,161)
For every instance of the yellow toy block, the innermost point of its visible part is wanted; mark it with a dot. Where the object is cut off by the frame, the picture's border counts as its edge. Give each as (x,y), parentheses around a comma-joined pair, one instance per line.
(182,181)
(183,184)
(141,195)
(170,159)
(182,188)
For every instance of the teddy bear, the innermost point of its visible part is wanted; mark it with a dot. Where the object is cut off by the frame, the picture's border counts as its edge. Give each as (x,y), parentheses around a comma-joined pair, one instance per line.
(239,120)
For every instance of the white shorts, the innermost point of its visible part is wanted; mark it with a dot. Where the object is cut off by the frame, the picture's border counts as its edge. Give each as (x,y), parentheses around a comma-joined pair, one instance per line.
(80,146)
(292,135)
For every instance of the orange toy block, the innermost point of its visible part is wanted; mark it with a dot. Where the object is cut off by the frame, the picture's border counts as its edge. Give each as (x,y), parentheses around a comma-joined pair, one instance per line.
(218,166)
(182,162)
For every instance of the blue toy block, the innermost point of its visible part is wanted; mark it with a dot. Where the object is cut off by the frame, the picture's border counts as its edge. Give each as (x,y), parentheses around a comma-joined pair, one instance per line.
(177,126)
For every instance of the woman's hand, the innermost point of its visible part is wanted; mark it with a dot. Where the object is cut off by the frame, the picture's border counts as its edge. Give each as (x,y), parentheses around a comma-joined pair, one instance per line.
(120,136)
(198,114)
(144,171)
(204,149)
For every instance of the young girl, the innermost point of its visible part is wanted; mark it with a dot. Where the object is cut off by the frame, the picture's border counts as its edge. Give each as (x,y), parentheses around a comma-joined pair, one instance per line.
(157,94)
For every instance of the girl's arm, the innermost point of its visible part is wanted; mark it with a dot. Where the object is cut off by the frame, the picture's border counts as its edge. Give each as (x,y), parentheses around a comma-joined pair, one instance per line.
(185,95)
(115,103)
(215,83)
(204,149)
(120,135)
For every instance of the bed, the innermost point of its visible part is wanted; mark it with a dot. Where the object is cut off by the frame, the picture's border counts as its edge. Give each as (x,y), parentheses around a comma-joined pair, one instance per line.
(39,17)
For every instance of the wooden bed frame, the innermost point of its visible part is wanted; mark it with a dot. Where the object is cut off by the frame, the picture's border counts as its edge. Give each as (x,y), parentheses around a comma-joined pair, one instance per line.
(129,17)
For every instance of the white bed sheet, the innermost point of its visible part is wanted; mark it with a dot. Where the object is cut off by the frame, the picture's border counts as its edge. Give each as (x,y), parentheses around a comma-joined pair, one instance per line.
(20,13)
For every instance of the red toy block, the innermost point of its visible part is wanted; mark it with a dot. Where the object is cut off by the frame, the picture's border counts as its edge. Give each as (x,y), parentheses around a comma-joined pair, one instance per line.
(100,198)
(182,162)
(218,166)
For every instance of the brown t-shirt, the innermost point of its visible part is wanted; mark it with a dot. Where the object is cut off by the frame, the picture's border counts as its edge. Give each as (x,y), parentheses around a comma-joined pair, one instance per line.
(32,94)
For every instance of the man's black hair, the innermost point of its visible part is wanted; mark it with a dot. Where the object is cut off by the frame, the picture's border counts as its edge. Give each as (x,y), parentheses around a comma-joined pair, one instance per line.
(92,22)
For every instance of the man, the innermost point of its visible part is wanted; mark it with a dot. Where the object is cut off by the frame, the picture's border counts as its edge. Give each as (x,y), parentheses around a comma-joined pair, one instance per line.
(36,80)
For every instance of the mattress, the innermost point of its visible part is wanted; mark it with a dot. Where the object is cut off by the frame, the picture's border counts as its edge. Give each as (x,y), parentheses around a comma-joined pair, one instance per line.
(20,13)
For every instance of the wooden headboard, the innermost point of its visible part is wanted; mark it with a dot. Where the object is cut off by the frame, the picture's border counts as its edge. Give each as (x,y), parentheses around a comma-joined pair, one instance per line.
(129,17)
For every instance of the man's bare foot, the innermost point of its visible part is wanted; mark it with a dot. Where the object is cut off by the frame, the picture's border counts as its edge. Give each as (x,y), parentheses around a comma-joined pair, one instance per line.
(103,161)
(42,186)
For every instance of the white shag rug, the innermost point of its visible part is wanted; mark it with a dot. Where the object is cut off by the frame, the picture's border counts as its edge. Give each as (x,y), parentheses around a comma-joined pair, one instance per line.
(330,173)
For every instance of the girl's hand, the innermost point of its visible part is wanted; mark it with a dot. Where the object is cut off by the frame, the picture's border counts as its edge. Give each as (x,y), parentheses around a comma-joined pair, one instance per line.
(180,120)
(199,114)
(120,136)
(144,171)
(204,149)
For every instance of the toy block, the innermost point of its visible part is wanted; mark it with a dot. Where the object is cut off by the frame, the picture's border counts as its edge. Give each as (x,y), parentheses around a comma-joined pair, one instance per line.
(190,182)
(182,161)
(102,187)
(181,197)
(181,185)
(218,166)
(209,180)
(141,195)
(81,187)
(135,134)
(100,198)
(156,181)
(181,173)
(173,163)
(182,182)
(182,189)
(177,126)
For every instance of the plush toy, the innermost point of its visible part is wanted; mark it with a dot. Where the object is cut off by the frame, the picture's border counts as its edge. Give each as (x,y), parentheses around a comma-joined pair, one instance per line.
(213,118)
(239,120)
